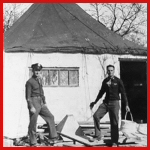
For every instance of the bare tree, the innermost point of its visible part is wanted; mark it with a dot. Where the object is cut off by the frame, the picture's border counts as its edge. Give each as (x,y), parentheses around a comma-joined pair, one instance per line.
(12,11)
(127,20)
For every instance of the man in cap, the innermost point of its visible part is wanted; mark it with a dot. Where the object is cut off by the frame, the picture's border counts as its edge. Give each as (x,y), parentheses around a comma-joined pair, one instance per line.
(37,106)
(112,86)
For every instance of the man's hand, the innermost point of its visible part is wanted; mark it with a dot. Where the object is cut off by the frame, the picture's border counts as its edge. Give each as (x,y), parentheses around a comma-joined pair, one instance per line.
(92,104)
(33,110)
(127,108)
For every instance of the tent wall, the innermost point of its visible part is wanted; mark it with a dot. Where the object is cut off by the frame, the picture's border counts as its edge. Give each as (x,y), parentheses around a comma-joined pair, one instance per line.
(60,100)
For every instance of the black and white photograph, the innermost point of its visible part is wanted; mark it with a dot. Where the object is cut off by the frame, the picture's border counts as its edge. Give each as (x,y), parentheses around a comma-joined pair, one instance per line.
(75,75)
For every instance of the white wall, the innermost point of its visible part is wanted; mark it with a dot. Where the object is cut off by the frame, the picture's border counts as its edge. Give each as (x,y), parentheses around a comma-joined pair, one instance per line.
(61,100)
(15,113)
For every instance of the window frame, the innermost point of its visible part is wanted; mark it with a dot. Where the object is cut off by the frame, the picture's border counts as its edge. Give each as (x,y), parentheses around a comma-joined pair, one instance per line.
(60,69)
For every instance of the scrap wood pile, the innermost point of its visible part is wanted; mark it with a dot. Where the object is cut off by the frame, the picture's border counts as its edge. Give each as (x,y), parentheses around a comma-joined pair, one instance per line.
(71,133)
(126,139)
(42,140)
(134,138)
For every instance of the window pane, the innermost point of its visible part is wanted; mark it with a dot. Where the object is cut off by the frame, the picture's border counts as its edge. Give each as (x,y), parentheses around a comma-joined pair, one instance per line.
(53,77)
(73,78)
(59,76)
(45,78)
(63,78)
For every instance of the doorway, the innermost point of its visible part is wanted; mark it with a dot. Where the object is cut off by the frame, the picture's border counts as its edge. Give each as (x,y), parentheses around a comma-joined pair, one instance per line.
(134,76)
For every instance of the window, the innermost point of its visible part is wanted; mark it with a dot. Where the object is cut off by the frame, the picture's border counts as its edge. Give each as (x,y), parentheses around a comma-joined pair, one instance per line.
(60,77)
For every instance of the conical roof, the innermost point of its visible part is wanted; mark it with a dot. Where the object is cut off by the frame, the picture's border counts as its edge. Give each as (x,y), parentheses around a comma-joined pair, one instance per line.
(65,28)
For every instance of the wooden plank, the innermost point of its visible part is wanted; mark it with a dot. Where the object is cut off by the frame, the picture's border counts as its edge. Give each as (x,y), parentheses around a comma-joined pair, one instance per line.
(81,140)
(103,125)
(73,145)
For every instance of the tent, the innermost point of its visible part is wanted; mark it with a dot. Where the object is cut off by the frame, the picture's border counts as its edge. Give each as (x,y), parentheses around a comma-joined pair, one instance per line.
(64,39)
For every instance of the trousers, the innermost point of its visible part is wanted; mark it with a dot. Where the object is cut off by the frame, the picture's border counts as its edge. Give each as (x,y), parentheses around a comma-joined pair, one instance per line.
(112,108)
(44,112)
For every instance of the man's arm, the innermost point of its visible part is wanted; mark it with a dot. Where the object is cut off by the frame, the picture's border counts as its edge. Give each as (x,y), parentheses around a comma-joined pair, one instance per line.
(28,95)
(100,94)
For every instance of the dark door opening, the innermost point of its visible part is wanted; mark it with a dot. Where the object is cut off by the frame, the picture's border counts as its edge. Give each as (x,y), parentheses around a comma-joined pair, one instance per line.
(134,77)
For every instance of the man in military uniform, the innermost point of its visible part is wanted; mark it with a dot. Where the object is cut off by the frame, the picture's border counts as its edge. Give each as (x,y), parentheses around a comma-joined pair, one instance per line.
(37,106)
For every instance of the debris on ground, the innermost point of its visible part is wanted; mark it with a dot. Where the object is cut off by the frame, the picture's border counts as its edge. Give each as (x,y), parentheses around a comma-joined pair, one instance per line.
(81,135)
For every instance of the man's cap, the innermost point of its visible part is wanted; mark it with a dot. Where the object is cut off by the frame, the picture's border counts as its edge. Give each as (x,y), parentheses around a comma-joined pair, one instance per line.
(36,66)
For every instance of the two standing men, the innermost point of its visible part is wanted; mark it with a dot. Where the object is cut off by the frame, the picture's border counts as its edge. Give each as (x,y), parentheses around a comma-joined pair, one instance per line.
(112,86)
